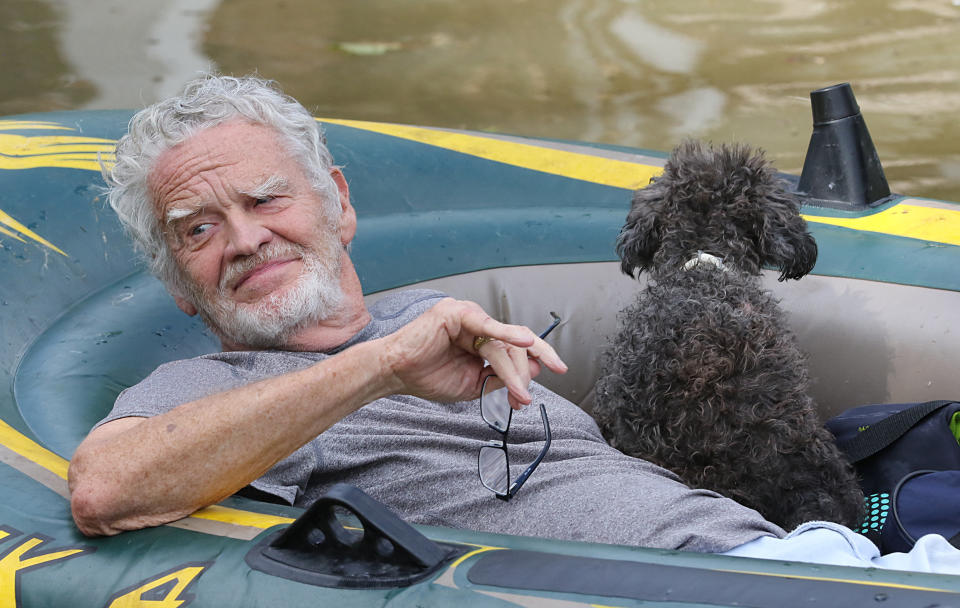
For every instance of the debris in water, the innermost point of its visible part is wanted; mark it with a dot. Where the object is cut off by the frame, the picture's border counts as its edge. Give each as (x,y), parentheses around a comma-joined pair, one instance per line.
(368,48)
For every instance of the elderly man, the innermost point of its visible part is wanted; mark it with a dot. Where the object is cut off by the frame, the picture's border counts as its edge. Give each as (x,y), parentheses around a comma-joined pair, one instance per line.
(234,199)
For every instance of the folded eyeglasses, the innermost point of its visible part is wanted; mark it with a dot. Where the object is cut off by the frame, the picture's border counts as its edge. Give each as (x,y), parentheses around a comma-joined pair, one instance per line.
(493,461)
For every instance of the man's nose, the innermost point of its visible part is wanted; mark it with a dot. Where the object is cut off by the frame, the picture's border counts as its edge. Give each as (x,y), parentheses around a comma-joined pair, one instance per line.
(247,235)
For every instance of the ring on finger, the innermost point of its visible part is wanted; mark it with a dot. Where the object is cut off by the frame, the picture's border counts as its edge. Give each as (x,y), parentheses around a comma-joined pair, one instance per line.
(479,341)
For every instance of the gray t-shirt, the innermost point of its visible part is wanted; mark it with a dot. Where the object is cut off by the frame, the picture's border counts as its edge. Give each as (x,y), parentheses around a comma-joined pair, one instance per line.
(420,457)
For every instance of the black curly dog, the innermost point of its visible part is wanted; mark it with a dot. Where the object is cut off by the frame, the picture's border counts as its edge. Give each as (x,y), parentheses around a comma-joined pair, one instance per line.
(704,377)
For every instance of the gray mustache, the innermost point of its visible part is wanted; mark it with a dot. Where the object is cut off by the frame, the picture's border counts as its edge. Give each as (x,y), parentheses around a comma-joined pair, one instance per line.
(271,252)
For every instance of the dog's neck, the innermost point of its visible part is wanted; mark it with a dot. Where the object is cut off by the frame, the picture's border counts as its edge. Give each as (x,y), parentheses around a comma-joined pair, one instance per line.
(705,259)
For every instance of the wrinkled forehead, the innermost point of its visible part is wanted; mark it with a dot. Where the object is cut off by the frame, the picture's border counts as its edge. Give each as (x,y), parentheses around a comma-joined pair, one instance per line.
(218,161)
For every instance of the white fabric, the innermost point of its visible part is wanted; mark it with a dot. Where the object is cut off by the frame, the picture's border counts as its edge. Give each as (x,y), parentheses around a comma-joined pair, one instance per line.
(829,543)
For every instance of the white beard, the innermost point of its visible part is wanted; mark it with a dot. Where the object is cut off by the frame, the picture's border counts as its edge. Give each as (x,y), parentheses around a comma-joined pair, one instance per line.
(272,321)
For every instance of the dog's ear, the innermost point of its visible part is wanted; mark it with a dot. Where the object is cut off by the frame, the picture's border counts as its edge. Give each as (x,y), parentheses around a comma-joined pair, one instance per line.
(785,241)
(640,236)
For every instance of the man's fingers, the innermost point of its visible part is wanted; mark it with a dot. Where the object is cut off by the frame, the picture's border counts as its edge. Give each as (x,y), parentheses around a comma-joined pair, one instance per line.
(544,353)
(476,323)
(515,352)
(511,368)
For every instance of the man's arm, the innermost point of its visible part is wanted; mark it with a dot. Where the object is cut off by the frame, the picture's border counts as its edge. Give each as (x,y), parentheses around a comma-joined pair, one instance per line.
(136,472)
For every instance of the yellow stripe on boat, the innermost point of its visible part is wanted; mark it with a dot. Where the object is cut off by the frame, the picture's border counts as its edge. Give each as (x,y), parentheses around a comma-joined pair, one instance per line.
(849,581)
(65,151)
(240,517)
(7,220)
(10,233)
(912,221)
(478,551)
(575,165)
(32,451)
(17,125)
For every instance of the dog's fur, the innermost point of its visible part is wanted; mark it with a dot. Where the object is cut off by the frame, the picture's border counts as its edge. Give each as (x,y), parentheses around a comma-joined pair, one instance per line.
(705,378)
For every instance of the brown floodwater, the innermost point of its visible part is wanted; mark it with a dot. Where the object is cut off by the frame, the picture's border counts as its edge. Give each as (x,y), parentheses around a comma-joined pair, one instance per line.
(639,73)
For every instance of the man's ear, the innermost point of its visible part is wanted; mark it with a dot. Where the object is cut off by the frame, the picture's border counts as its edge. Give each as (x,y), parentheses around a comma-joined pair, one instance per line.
(185,305)
(348,216)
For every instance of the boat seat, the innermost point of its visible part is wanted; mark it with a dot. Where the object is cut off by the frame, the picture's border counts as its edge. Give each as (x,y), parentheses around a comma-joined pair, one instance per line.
(868,342)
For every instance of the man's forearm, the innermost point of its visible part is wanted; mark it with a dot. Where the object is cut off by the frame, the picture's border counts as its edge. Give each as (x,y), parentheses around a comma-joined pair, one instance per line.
(163,468)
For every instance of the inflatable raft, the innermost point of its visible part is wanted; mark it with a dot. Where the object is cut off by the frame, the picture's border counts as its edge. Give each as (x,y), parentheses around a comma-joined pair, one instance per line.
(522,226)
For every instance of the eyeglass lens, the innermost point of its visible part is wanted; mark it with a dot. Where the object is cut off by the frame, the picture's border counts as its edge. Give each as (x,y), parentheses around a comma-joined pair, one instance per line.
(494,469)
(494,405)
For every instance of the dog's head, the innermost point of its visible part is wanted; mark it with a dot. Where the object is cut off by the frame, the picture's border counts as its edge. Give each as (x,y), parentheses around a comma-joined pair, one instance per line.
(726,201)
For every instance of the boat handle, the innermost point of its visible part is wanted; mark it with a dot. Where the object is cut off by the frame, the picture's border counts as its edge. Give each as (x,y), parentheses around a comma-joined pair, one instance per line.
(318,548)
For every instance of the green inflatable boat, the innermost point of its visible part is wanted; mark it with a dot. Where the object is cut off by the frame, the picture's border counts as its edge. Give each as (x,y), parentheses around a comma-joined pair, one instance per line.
(520,226)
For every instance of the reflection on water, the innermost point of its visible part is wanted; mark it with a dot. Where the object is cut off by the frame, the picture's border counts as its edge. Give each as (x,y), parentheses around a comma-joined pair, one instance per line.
(640,73)
(148,58)
(693,111)
(654,45)
(33,73)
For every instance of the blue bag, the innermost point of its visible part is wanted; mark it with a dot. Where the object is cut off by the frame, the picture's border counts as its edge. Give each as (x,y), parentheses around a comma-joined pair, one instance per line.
(907,458)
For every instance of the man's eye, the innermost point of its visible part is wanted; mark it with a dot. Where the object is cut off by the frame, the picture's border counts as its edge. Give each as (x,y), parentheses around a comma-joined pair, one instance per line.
(199,229)
(264,199)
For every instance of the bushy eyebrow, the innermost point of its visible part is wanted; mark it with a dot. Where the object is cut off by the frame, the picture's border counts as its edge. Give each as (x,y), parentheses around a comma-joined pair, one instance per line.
(273,185)
(178,213)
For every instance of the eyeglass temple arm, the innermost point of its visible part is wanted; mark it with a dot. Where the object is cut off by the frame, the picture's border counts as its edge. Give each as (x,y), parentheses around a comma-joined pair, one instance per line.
(556,321)
(515,487)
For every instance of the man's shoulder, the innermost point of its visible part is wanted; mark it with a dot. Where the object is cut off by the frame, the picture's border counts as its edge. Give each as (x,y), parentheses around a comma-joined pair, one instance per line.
(241,366)
(396,309)
(404,302)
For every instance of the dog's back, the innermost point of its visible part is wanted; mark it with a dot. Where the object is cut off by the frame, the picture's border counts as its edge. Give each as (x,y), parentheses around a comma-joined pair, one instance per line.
(704,377)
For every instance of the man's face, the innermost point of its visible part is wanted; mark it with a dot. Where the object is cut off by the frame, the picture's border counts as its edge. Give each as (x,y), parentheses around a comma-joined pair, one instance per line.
(259,257)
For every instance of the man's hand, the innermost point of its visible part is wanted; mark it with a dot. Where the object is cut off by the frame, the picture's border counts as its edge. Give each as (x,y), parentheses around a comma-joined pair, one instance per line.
(433,357)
